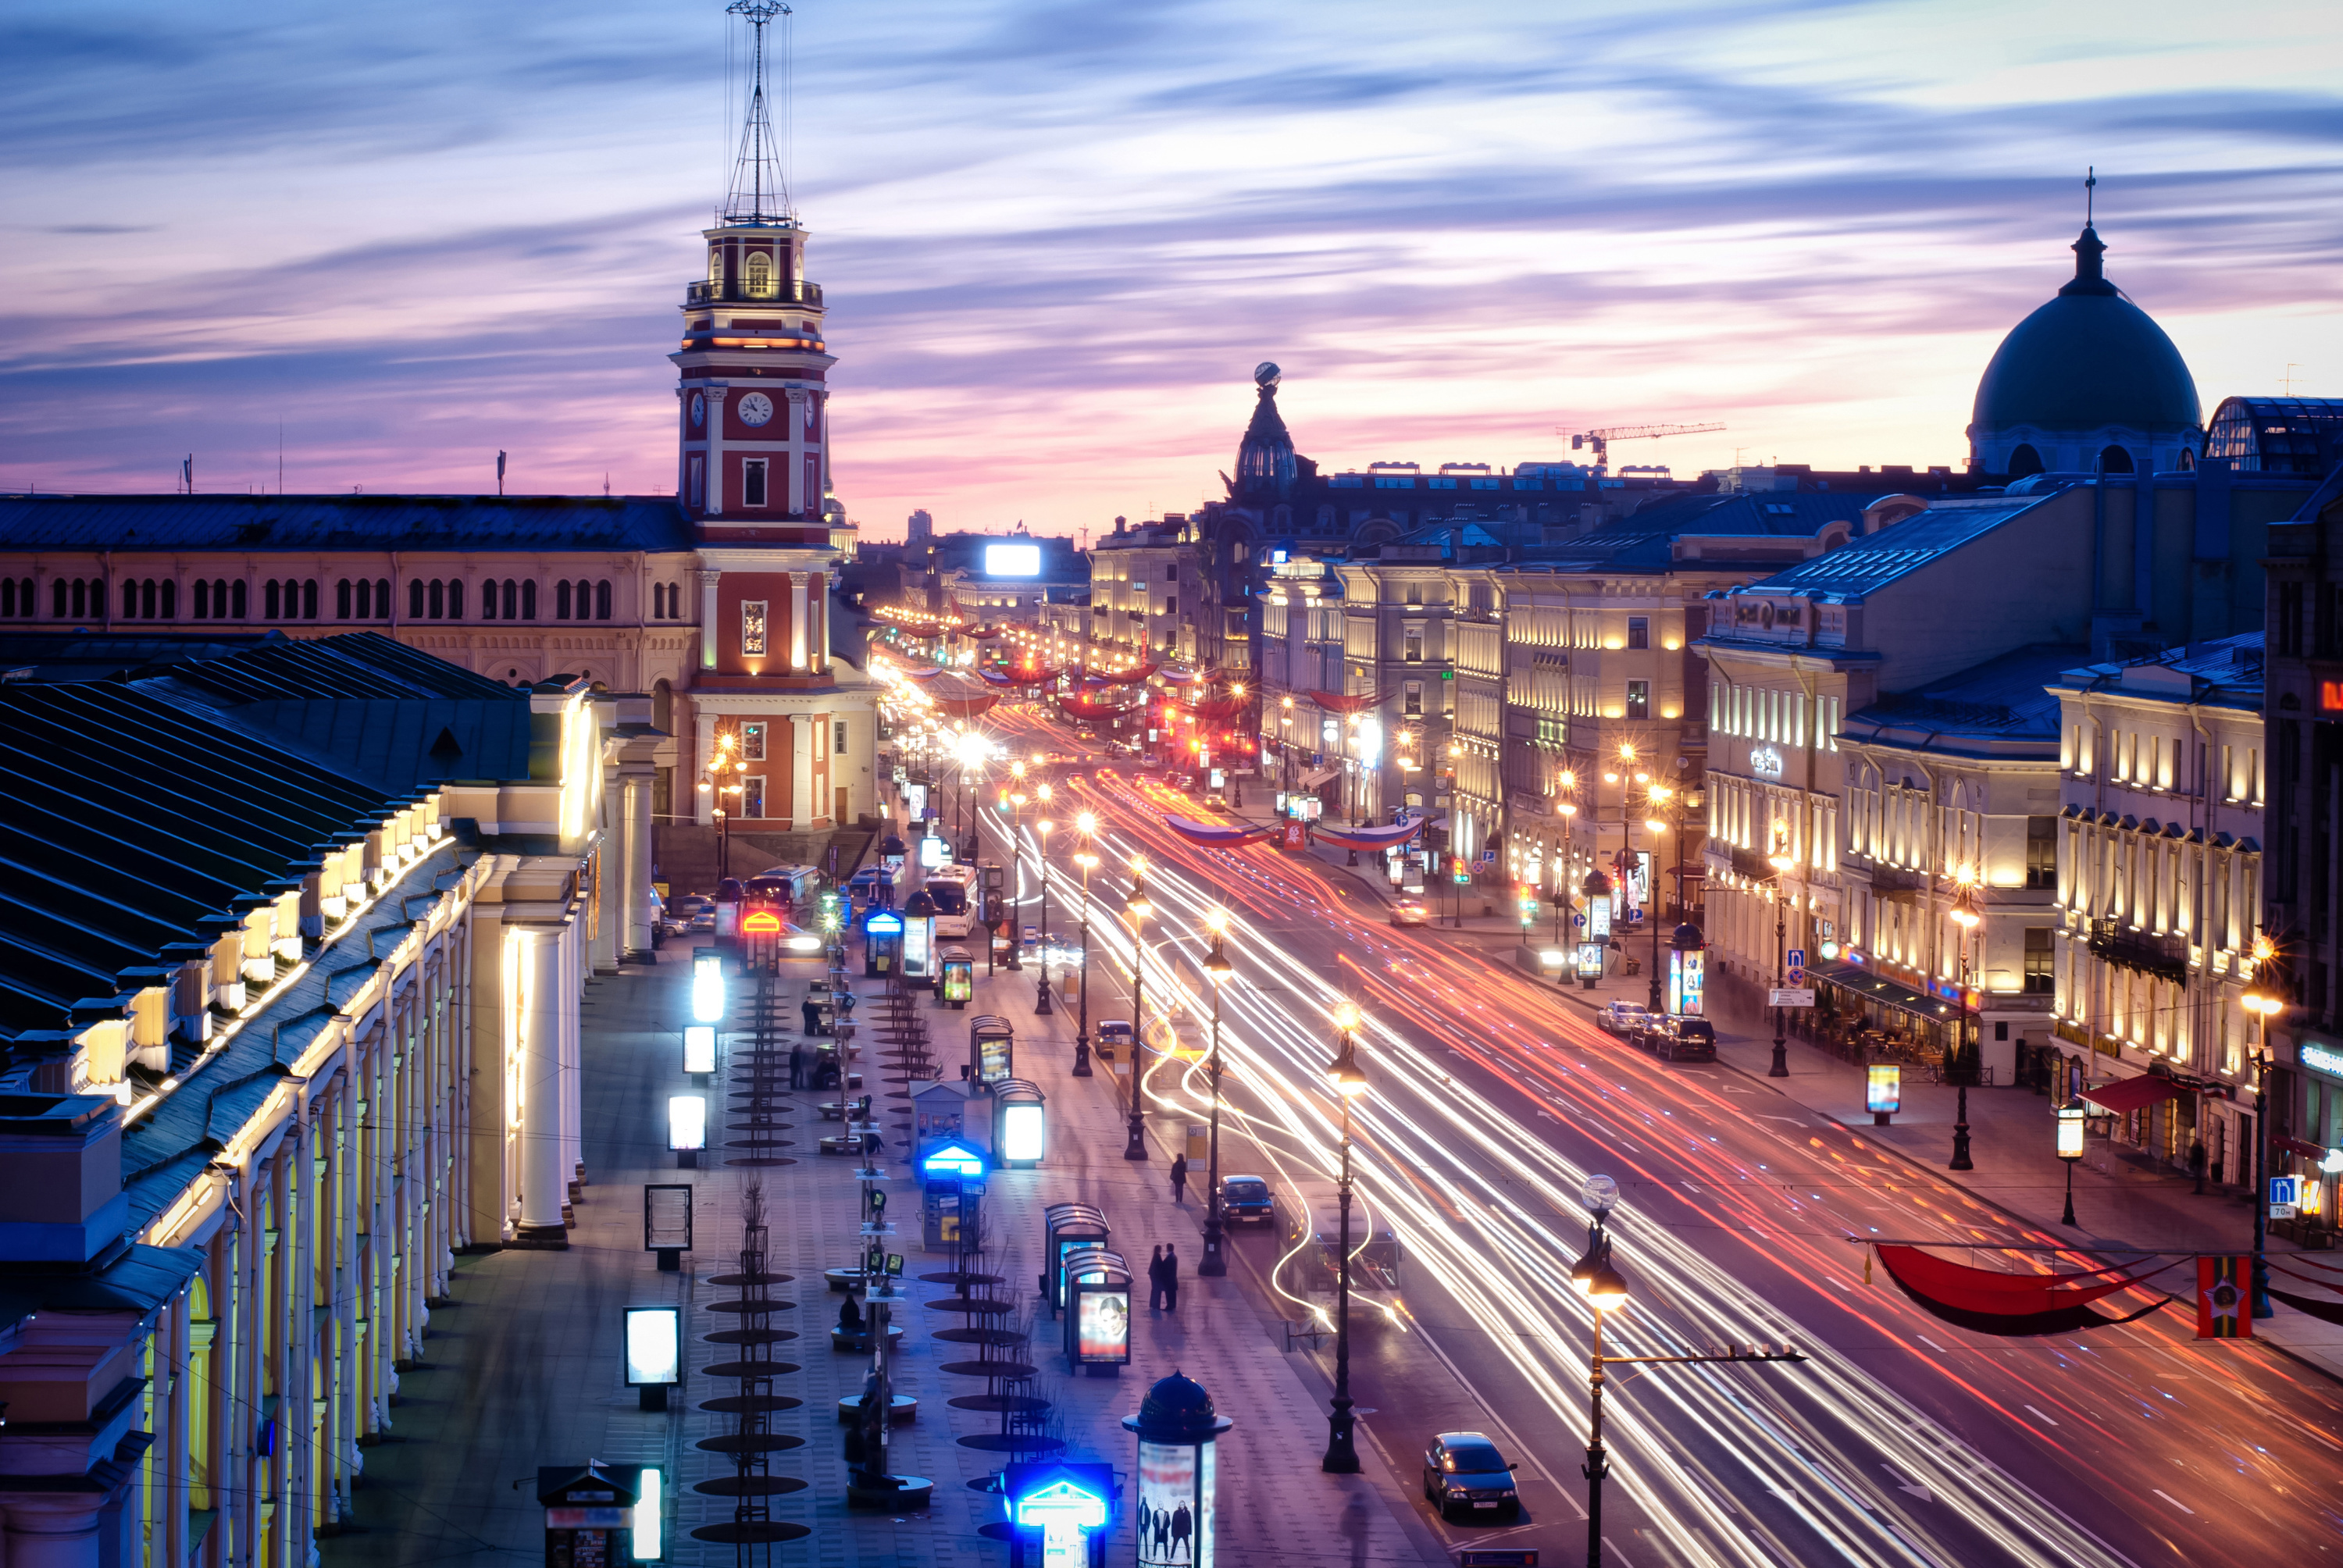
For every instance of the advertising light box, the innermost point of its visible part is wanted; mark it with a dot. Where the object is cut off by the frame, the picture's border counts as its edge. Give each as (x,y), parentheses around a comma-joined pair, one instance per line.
(700,1048)
(1102,1333)
(654,1347)
(1012,560)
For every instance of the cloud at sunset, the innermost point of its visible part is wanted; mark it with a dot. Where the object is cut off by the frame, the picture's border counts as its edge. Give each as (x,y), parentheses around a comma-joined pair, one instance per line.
(1055,238)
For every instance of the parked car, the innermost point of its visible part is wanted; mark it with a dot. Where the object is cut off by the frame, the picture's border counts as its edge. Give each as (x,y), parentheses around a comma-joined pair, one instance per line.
(1111,1035)
(1246,1200)
(1411,912)
(1623,1019)
(1685,1040)
(1463,1474)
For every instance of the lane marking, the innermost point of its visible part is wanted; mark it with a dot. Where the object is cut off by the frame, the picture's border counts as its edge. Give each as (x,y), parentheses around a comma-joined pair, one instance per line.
(1932,1344)
(2174,1501)
(2040,1416)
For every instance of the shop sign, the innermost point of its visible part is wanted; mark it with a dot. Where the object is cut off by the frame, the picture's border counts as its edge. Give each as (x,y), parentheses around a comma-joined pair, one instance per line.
(2319,1057)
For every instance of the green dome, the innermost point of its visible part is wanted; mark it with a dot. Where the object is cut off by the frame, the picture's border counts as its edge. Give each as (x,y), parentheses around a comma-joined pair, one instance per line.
(2088,359)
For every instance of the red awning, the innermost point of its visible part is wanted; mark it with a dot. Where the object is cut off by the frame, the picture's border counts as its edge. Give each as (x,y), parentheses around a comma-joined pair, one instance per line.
(2126,1095)
(2286,1145)
(1335,702)
(1993,1303)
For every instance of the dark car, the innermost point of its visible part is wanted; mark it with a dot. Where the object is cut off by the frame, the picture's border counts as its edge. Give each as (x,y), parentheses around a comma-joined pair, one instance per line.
(1245,1198)
(1464,1475)
(1685,1040)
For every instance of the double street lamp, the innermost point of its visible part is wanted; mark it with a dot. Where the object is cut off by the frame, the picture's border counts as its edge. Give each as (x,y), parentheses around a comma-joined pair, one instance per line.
(1961,1066)
(2263,1000)
(1217,965)
(1783,861)
(1085,824)
(1349,1082)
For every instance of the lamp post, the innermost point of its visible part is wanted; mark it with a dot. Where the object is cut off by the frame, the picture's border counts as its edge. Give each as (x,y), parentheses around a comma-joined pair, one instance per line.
(1216,966)
(2070,1149)
(1016,798)
(1781,860)
(1963,1063)
(1086,824)
(1042,991)
(1138,906)
(1350,1082)
(2263,1000)
(1660,795)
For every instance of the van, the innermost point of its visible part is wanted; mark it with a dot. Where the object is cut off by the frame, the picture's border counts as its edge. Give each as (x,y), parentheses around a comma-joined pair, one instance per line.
(955,910)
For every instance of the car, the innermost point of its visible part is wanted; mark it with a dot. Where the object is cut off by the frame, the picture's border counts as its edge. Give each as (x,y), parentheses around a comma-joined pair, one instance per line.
(1619,1018)
(1411,912)
(1246,1199)
(1463,1474)
(1113,1034)
(1685,1040)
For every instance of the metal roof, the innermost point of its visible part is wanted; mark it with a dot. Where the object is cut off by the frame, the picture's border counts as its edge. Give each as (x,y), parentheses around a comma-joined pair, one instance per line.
(1646,540)
(2003,698)
(343,523)
(1896,551)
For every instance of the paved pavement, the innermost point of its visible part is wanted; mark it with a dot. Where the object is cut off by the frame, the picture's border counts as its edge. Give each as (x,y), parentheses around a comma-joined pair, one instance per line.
(523,1366)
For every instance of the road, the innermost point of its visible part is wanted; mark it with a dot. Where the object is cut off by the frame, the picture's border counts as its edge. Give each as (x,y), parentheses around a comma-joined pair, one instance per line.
(1902,1440)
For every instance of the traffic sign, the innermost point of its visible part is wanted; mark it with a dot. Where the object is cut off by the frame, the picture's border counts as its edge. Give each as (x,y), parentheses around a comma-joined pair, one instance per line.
(1785,997)
(1797,957)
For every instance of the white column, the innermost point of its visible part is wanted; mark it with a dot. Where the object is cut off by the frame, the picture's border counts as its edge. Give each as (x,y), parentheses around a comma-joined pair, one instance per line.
(609,883)
(802,744)
(799,642)
(55,1534)
(707,644)
(635,860)
(573,1164)
(544,1185)
(688,775)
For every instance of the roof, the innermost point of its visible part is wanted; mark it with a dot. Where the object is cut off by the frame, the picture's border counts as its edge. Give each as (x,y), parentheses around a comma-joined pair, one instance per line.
(1646,540)
(81,655)
(1897,550)
(2225,670)
(343,523)
(2088,359)
(2001,698)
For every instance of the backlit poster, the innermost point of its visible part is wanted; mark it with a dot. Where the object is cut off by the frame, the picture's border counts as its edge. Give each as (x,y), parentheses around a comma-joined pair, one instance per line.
(1102,1332)
(916,934)
(1175,1522)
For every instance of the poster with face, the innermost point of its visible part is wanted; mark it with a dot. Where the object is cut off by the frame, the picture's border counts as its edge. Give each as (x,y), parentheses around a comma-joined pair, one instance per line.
(1103,1335)
(1175,1522)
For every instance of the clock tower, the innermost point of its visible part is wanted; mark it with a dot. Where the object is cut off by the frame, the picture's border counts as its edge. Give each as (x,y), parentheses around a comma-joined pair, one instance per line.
(752,474)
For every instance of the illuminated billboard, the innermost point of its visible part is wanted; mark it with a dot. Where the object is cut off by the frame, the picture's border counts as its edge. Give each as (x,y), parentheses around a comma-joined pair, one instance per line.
(1012,560)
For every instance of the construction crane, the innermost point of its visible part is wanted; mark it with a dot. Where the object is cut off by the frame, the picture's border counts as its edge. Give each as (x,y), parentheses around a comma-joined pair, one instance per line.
(1601,439)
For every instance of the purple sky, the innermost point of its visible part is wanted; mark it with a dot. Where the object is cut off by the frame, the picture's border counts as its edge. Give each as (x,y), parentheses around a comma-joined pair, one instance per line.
(1056,238)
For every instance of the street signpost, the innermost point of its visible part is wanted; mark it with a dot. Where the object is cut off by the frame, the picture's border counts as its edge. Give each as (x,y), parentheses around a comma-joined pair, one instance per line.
(1785,996)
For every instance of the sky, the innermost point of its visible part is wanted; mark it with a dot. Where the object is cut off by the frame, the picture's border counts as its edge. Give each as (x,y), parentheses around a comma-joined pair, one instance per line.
(1055,238)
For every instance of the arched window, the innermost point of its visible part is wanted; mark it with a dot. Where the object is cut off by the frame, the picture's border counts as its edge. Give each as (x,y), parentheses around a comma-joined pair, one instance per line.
(760,275)
(602,600)
(438,599)
(309,599)
(2188,460)
(240,597)
(561,599)
(455,599)
(130,600)
(382,597)
(170,599)
(528,599)
(585,598)
(8,596)
(662,705)
(415,600)
(488,600)
(57,597)
(366,599)
(270,603)
(342,601)
(2025,460)
(2115,461)
(511,602)
(716,269)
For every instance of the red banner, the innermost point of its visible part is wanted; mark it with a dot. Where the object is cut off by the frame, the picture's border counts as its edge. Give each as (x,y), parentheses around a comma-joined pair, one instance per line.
(2221,1298)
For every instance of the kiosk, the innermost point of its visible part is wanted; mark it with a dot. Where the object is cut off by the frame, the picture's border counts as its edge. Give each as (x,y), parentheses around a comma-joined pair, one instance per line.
(1020,1133)
(599,1515)
(992,1049)
(959,982)
(1066,1228)
(1098,1311)
(882,942)
(1178,1431)
(1059,1515)
(940,1113)
(951,1180)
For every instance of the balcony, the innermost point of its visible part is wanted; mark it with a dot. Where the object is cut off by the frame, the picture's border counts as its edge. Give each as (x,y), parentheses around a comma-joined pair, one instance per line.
(2164,956)
(797,292)
(1897,884)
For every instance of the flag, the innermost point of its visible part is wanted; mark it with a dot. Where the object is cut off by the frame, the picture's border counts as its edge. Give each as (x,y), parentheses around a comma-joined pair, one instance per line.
(2221,1312)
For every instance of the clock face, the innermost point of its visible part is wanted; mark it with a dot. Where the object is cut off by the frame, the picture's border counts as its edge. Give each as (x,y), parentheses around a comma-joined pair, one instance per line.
(756,408)
(698,410)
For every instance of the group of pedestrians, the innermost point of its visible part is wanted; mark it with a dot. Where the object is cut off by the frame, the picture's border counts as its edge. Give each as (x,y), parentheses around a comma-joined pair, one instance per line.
(1164,1279)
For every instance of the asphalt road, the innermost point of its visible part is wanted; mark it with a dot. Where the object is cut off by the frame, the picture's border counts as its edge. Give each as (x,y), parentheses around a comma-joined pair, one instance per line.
(1902,1440)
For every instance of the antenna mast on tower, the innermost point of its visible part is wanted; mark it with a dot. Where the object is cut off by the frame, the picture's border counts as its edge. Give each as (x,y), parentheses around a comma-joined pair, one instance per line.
(759,192)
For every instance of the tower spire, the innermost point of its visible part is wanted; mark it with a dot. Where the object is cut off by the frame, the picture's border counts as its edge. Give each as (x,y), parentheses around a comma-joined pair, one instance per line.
(759,191)
(2090,194)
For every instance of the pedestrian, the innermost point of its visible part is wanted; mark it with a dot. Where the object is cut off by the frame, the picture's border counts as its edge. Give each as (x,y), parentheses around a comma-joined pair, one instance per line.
(1172,1279)
(1155,1280)
(1179,1179)
(796,1065)
(2196,1163)
(812,1013)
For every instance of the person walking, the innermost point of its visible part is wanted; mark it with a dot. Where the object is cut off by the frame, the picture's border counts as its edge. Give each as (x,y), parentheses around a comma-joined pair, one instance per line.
(1172,1279)
(1179,1179)
(810,1010)
(1155,1280)
(796,1065)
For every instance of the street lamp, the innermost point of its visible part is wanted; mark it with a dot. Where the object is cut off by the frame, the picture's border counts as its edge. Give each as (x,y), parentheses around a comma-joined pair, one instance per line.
(1604,1291)
(2262,999)
(1782,860)
(1016,798)
(1042,992)
(1217,965)
(2070,1149)
(1962,1067)
(1086,824)
(1659,795)
(1350,1082)
(1138,906)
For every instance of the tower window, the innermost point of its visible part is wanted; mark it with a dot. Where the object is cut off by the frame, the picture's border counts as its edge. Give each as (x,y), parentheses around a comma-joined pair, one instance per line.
(2115,461)
(760,275)
(752,482)
(716,269)
(2024,461)
(697,480)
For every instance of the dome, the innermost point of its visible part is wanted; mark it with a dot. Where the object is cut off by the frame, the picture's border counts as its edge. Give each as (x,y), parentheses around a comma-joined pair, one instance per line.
(1265,461)
(2088,360)
(1177,1409)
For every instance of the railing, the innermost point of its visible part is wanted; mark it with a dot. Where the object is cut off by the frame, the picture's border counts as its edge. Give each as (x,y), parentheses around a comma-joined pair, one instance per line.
(797,292)
(2164,956)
